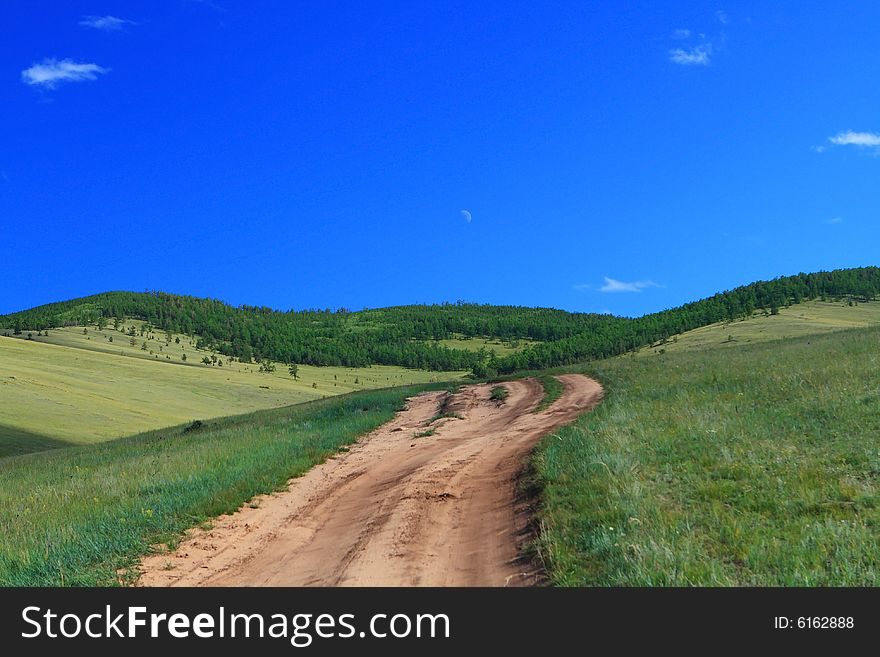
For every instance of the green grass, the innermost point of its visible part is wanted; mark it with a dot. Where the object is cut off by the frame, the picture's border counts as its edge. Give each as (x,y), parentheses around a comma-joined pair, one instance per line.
(81,515)
(808,318)
(552,391)
(494,345)
(499,393)
(750,466)
(75,388)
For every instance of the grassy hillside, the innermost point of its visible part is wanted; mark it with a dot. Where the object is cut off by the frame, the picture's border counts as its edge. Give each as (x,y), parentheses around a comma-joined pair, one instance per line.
(807,318)
(751,466)
(492,345)
(77,516)
(412,336)
(72,387)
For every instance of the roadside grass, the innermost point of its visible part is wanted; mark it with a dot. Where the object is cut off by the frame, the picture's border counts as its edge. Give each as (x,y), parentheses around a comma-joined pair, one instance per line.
(426,433)
(723,467)
(76,388)
(499,393)
(83,515)
(553,389)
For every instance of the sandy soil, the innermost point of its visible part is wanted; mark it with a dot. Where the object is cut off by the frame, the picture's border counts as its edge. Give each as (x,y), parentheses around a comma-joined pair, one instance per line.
(395,510)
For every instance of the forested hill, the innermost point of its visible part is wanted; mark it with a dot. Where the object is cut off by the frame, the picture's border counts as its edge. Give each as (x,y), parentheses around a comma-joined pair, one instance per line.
(408,335)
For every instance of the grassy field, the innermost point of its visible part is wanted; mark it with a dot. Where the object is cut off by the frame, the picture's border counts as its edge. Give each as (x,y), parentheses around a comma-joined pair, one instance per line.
(76,388)
(498,347)
(809,318)
(753,466)
(80,516)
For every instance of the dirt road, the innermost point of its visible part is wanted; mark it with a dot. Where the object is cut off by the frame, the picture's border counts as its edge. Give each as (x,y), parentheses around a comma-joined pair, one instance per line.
(395,510)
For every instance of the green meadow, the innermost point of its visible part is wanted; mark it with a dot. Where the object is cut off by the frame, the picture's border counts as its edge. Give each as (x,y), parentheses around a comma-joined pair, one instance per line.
(77,387)
(495,346)
(807,318)
(752,466)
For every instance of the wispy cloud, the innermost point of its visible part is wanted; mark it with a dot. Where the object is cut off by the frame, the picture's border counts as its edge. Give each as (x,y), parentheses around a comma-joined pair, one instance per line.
(613,285)
(681,34)
(834,220)
(722,17)
(106,23)
(49,73)
(208,3)
(582,286)
(697,56)
(851,138)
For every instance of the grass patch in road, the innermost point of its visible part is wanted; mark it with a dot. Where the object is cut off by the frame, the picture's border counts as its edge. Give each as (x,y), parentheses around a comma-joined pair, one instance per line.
(75,516)
(752,466)
(499,394)
(553,389)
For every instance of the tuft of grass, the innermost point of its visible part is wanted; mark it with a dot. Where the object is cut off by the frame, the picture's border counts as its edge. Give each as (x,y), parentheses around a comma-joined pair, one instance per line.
(426,434)
(553,389)
(499,394)
(752,466)
(79,515)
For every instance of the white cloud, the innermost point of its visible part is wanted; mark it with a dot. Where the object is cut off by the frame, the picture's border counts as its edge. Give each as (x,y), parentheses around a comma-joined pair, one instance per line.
(698,56)
(834,220)
(582,286)
(722,17)
(106,23)
(850,138)
(818,149)
(612,285)
(51,72)
(681,34)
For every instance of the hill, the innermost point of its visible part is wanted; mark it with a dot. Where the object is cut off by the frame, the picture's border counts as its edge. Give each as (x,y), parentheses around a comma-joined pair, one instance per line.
(411,336)
(807,318)
(78,385)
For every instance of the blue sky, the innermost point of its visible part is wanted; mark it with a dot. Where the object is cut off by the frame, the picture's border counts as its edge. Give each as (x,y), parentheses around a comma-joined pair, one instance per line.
(621,157)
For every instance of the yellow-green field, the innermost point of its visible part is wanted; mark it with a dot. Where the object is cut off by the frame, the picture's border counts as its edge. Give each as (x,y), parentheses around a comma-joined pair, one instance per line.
(809,318)
(75,388)
(498,347)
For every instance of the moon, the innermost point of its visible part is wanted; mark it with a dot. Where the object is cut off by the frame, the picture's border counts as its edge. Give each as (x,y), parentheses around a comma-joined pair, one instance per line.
(467,215)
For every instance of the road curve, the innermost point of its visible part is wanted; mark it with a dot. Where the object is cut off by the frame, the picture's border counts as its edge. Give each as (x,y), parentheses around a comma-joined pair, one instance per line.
(395,510)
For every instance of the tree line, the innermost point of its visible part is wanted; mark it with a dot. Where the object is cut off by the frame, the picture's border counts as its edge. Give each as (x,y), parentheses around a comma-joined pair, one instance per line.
(408,335)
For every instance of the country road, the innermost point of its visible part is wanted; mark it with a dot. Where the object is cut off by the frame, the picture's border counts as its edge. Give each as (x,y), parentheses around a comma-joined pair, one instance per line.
(395,510)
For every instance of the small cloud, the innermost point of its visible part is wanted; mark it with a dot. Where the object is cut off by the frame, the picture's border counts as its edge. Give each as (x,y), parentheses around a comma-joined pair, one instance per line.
(698,56)
(834,220)
(613,285)
(466,214)
(860,139)
(51,72)
(582,286)
(681,34)
(722,17)
(818,149)
(106,23)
